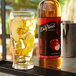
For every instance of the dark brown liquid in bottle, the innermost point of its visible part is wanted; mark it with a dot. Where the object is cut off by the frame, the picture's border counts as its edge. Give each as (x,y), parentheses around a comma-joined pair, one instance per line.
(49,9)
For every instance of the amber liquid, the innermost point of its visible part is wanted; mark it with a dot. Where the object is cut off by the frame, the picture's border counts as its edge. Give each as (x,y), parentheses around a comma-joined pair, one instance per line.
(22,37)
(49,9)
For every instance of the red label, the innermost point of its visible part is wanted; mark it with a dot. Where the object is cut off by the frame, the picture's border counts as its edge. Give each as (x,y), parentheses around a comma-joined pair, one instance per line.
(49,37)
(50,57)
(43,21)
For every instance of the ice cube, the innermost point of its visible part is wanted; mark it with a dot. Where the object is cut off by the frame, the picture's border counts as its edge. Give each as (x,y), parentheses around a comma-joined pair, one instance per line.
(28,23)
(16,23)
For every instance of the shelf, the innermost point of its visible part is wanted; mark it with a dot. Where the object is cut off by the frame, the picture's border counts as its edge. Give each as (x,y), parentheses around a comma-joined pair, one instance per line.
(6,67)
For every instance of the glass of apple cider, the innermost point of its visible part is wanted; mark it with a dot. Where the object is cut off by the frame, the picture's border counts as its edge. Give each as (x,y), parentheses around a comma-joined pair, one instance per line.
(22,33)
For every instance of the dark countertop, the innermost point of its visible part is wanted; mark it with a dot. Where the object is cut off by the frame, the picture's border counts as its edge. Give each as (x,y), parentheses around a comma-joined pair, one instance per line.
(68,68)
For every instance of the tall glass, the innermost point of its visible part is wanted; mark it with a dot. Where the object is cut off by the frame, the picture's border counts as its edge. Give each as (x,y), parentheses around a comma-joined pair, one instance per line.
(22,32)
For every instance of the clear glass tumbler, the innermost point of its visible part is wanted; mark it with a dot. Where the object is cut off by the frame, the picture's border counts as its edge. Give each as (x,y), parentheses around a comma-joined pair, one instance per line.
(22,33)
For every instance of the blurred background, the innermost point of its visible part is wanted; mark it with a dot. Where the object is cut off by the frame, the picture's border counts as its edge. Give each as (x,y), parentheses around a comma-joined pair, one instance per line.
(68,10)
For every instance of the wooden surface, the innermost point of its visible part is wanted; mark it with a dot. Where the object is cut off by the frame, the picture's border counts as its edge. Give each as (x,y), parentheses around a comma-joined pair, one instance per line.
(4,74)
(69,64)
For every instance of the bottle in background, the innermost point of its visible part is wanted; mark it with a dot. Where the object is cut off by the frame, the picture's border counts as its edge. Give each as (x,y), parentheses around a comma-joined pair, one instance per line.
(49,34)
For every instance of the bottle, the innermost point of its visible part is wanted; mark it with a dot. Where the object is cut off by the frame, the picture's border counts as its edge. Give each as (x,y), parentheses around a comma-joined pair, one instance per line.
(49,17)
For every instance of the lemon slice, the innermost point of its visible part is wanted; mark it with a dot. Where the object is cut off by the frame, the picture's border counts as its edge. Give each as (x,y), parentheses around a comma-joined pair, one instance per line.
(16,23)
(29,41)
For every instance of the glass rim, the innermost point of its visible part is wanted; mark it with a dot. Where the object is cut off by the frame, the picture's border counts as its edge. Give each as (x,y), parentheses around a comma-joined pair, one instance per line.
(68,22)
(22,13)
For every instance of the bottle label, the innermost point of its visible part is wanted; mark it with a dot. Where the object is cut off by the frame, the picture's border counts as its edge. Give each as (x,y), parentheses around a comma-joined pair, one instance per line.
(50,37)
